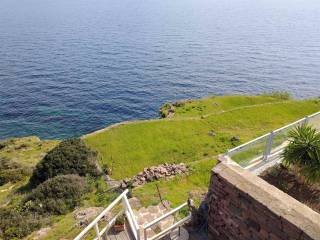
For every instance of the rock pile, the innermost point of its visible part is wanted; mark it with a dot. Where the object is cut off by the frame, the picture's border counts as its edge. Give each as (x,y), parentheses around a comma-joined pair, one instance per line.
(155,173)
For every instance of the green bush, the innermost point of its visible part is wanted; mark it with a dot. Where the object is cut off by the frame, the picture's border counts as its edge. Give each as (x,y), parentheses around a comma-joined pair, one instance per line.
(57,195)
(303,152)
(71,156)
(11,171)
(16,225)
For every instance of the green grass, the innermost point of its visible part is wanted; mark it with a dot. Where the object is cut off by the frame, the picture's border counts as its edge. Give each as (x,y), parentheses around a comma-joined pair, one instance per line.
(178,189)
(214,105)
(130,148)
(26,150)
(127,149)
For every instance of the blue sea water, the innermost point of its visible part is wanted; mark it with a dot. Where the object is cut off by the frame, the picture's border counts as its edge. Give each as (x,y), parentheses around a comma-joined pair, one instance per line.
(69,67)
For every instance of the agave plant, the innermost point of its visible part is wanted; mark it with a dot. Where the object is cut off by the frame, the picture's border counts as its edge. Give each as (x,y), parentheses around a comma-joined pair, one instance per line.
(303,152)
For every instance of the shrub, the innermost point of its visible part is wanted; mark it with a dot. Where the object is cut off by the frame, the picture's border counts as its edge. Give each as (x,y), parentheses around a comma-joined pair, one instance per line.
(57,195)
(11,171)
(303,152)
(69,157)
(16,225)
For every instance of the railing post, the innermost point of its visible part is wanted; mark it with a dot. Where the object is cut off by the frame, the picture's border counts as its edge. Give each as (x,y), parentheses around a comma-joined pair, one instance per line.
(306,120)
(138,234)
(268,147)
(145,234)
(96,228)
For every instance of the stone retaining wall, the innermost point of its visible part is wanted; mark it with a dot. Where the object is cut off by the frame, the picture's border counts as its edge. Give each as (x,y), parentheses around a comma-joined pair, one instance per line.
(243,206)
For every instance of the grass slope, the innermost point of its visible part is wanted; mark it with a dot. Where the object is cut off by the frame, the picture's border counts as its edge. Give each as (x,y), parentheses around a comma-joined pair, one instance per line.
(26,150)
(128,148)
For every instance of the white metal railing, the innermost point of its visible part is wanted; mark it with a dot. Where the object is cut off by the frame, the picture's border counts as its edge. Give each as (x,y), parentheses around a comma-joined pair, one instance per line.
(122,198)
(269,145)
(134,227)
(169,229)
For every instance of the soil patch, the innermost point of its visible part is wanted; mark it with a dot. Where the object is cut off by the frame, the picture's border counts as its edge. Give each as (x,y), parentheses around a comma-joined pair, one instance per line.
(294,185)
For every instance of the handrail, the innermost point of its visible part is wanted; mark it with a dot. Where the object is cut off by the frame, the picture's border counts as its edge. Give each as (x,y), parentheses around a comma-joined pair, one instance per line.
(169,229)
(108,226)
(247,143)
(131,213)
(271,149)
(132,219)
(231,151)
(289,125)
(101,215)
(148,225)
(157,220)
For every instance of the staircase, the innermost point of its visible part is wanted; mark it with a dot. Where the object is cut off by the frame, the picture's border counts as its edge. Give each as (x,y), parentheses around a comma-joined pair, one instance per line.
(152,223)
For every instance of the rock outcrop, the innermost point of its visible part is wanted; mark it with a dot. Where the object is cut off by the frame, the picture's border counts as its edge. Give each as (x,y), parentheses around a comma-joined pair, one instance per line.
(155,173)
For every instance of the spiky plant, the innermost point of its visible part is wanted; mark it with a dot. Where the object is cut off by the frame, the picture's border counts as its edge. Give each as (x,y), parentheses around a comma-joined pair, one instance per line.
(303,152)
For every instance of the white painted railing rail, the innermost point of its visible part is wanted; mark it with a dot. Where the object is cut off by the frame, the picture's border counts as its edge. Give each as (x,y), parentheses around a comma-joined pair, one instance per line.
(126,209)
(270,149)
(131,219)
(134,227)
(169,229)
(247,144)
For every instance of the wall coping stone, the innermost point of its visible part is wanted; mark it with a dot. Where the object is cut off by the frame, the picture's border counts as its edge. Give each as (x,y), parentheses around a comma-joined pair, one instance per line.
(271,197)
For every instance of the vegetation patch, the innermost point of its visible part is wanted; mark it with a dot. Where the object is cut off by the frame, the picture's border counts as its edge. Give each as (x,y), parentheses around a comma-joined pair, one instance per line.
(303,152)
(128,149)
(15,224)
(57,195)
(71,156)
(27,150)
(13,172)
(299,173)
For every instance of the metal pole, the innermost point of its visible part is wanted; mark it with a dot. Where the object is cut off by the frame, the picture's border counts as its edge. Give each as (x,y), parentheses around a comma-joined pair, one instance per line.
(145,234)
(96,228)
(268,147)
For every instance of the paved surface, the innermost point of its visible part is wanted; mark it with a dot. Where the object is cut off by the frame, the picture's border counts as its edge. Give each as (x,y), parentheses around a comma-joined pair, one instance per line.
(124,235)
(119,236)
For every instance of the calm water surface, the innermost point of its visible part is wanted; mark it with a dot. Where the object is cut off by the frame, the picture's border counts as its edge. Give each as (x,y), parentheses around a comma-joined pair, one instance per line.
(68,67)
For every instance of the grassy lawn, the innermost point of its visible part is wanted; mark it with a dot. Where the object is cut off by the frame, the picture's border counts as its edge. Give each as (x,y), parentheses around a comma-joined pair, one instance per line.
(127,149)
(130,148)
(213,105)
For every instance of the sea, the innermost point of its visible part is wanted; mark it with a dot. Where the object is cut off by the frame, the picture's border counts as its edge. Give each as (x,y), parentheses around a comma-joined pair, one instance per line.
(69,67)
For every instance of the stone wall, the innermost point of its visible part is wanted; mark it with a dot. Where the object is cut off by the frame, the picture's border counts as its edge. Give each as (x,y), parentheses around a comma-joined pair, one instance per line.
(243,206)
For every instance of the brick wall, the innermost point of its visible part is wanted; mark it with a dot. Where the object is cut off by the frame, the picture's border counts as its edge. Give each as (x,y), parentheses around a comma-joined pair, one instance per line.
(242,206)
